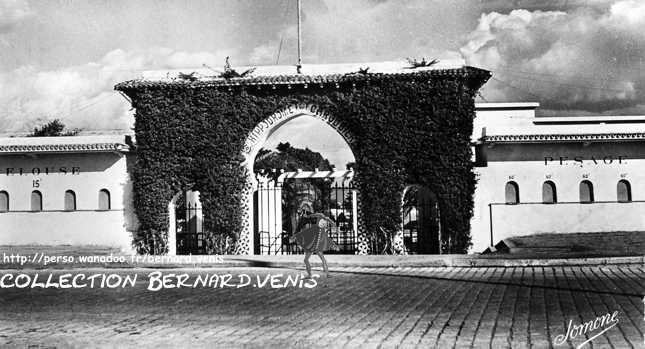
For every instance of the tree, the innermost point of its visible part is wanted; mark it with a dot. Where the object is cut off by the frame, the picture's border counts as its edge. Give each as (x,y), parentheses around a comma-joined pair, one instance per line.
(54,128)
(298,196)
(288,158)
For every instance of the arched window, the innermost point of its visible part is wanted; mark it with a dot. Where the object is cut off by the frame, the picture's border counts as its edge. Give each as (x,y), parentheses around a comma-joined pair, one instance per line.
(70,201)
(624,191)
(586,192)
(512,193)
(549,194)
(4,201)
(36,201)
(104,199)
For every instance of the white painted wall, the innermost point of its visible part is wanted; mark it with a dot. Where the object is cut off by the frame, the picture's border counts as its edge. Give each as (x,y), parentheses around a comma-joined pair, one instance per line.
(516,220)
(102,228)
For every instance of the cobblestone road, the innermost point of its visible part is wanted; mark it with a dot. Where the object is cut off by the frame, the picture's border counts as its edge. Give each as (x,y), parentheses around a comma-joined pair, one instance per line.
(357,307)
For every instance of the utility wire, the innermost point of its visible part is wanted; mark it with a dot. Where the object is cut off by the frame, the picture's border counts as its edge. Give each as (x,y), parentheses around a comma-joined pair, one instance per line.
(90,104)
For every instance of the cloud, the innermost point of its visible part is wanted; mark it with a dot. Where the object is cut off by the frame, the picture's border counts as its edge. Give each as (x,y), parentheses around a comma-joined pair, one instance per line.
(584,59)
(264,54)
(506,5)
(12,12)
(83,96)
(338,31)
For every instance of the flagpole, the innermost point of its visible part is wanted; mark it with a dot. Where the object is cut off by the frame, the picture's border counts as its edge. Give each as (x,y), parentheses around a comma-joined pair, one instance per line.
(299,65)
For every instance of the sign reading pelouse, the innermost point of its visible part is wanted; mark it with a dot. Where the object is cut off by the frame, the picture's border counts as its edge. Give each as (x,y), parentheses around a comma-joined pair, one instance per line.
(37,171)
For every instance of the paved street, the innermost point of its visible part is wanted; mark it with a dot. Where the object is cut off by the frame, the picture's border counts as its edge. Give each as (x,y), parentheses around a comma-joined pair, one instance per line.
(514,307)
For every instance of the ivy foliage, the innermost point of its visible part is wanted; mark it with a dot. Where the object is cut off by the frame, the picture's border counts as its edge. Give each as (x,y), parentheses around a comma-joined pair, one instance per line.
(290,159)
(405,131)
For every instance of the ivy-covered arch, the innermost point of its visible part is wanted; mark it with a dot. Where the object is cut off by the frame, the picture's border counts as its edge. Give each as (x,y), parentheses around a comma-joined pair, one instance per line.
(405,128)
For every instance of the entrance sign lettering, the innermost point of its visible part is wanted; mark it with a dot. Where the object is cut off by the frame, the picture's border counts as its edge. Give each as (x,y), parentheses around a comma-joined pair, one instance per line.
(260,132)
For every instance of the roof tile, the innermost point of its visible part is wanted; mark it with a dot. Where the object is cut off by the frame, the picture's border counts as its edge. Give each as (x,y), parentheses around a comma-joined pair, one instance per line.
(589,137)
(466,72)
(63,148)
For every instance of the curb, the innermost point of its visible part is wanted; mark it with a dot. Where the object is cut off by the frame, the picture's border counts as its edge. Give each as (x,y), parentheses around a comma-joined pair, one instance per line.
(468,261)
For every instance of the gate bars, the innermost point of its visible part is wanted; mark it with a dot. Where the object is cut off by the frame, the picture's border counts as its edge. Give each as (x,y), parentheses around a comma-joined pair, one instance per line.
(281,204)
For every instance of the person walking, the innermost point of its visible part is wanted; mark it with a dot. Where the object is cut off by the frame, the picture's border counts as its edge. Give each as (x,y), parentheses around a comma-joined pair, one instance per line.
(315,239)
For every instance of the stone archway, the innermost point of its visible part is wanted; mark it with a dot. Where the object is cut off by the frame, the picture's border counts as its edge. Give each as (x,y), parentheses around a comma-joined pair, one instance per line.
(425,115)
(252,145)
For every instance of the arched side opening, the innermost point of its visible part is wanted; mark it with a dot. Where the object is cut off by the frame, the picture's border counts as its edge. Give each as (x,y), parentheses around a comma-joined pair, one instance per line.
(421,220)
(186,224)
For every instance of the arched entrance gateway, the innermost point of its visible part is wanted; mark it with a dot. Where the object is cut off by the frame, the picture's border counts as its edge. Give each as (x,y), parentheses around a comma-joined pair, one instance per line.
(403,124)
(266,222)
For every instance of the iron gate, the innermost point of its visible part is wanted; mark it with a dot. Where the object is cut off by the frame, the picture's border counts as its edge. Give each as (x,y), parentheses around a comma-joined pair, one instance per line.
(281,208)
(189,228)
(422,228)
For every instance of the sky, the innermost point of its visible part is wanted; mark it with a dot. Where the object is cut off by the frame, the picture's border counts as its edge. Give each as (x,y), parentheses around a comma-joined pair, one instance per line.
(62,58)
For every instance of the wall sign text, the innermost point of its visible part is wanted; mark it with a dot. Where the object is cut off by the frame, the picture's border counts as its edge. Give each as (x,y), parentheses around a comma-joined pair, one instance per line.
(37,171)
(580,161)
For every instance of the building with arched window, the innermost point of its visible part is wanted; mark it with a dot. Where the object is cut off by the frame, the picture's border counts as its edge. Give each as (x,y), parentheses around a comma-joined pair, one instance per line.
(57,190)
(577,174)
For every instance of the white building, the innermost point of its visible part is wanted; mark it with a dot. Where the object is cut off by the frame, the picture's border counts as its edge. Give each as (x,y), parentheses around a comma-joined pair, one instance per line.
(65,190)
(556,174)
(535,175)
